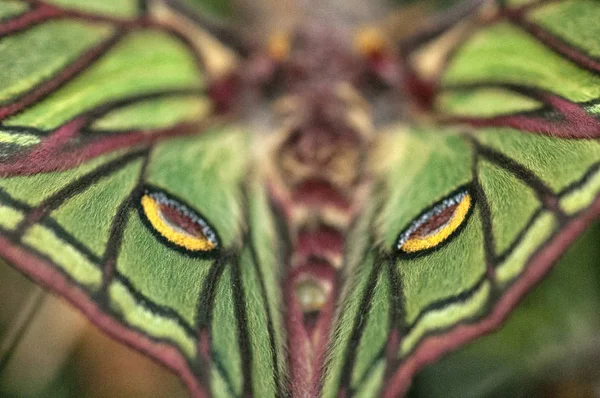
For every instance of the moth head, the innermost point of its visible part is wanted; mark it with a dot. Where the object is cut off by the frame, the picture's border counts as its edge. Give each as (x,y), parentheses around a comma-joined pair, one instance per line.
(437,225)
(177,224)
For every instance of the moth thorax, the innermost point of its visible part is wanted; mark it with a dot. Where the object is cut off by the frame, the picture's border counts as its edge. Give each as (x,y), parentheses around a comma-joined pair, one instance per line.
(325,144)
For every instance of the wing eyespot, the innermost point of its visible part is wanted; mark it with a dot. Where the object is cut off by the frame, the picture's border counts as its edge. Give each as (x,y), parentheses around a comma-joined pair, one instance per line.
(177,223)
(436,225)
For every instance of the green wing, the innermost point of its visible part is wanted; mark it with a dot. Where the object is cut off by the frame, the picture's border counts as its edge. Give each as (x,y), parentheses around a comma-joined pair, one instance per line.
(102,166)
(468,215)
(94,197)
(520,359)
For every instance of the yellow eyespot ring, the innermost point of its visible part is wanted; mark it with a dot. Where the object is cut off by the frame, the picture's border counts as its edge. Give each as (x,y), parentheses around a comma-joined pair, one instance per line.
(436,225)
(177,223)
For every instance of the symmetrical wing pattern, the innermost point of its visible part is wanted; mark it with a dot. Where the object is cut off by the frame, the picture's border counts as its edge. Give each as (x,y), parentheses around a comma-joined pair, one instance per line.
(123,189)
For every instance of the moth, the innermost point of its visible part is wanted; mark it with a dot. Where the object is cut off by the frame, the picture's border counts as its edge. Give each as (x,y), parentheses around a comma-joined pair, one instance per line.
(319,199)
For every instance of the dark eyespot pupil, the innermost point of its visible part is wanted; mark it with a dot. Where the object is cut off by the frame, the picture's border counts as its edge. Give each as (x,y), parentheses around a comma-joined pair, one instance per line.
(435,222)
(179,220)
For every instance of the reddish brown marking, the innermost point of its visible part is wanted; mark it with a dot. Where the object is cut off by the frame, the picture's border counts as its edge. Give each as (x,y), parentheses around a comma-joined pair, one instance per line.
(60,137)
(577,124)
(224,93)
(320,242)
(45,150)
(434,222)
(43,11)
(56,160)
(434,347)
(204,344)
(39,14)
(49,277)
(300,347)
(422,92)
(308,342)
(391,351)
(180,220)
(319,193)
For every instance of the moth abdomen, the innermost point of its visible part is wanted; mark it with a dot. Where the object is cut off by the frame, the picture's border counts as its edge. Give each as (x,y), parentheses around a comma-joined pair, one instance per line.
(317,179)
